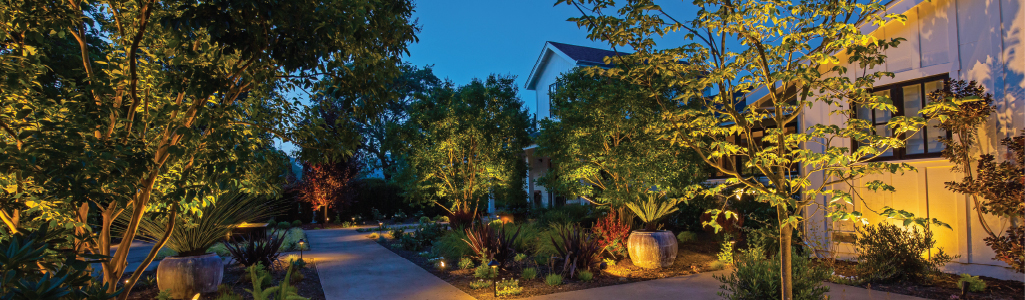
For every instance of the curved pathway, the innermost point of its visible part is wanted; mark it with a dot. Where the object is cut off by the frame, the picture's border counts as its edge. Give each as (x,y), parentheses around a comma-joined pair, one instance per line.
(354,267)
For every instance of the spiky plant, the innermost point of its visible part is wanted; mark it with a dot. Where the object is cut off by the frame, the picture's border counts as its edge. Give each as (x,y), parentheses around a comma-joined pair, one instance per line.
(194,234)
(492,242)
(652,207)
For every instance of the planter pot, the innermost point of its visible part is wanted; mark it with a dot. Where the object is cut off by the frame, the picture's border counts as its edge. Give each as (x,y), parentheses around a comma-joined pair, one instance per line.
(190,275)
(652,249)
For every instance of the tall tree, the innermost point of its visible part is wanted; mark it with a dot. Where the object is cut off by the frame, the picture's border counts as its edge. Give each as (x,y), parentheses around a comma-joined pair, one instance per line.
(117,108)
(600,148)
(792,52)
(462,143)
(328,185)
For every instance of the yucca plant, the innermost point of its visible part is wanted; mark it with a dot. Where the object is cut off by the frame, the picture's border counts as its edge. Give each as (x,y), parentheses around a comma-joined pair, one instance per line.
(256,249)
(652,207)
(195,233)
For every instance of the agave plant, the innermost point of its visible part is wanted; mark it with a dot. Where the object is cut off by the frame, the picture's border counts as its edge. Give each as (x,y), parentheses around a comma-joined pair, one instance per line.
(195,233)
(653,207)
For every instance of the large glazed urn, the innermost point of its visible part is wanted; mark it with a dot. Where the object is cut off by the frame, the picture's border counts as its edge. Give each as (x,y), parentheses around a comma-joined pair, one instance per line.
(652,249)
(190,275)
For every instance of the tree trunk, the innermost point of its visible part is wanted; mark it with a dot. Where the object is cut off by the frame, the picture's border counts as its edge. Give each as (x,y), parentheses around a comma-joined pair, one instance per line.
(786,270)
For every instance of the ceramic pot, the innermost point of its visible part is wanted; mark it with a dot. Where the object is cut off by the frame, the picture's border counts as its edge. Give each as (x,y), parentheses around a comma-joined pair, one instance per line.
(652,249)
(190,275)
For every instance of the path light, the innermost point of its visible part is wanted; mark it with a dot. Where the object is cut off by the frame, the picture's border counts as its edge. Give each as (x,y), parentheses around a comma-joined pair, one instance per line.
(302,244)
(443,264)
(196,297)
(494,280)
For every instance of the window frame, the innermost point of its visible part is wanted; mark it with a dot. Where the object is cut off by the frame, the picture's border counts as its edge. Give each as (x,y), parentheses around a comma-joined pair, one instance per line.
(896,91)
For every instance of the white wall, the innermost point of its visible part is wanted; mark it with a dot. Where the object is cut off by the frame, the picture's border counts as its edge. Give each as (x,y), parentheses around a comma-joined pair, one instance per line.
(969,40)
(556,66)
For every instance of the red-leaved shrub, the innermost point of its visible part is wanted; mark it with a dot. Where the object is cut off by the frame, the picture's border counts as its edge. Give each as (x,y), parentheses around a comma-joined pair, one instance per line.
(612,234)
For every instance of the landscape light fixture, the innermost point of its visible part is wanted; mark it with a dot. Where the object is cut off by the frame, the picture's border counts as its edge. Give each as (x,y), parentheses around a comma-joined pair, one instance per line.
(302,244)
(196,297)
(494,280)
(443,264)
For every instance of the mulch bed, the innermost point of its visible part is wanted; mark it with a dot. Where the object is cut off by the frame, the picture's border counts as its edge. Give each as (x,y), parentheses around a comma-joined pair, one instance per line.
(943,286)
(309,287)
(692,258)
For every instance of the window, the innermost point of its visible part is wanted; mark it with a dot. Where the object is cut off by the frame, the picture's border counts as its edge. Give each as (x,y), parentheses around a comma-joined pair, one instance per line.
(552,88)
(909,98)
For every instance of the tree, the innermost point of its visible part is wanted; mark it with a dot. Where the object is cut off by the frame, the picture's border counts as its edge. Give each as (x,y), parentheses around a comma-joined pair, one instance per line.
(600,148)
(996,188)
(144,108)
(462,143)
(328,185)
(792,52)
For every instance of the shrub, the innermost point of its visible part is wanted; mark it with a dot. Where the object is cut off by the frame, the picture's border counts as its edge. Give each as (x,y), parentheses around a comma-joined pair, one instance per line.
(164,295)
(252,250)
(975,284)
(577,246)
(261,273)
(717,265)
(440,218)
(397,233)
(553,279)
(374,236)
(195,233)
(451,245)
(563,215)
(585,275)
(283,225)
(686,236)
(887,253)
(489,241)
(410,243)
(297,223)
(484,271)
(508,287)
(291,239)
(726,254)
(297,261)
(612,234)
(479,284)
(25,252)
(396,245)
(465,263)
(529,235)
(220,249)
(529,274)
(520,257)
(756,277)
(424,220)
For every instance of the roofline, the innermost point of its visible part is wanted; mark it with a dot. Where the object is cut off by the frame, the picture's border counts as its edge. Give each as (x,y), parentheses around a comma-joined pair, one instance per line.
(532,79)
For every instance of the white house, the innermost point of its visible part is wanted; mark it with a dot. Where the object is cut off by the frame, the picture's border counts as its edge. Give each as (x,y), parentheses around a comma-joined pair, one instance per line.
(555,60)
(946,39)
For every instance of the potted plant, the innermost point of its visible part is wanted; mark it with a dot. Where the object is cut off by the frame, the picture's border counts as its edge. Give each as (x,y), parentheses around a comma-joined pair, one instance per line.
(193,270)
(651,248)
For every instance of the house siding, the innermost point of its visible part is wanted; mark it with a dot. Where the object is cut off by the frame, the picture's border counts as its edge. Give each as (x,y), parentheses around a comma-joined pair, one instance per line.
(968,40)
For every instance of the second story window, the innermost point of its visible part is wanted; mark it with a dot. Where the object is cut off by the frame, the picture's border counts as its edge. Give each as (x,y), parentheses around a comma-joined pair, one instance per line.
(552,88)
(909,97)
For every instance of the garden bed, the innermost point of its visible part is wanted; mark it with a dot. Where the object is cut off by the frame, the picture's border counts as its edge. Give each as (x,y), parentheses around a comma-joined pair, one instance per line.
(693,257)
(308,287)
(943,286)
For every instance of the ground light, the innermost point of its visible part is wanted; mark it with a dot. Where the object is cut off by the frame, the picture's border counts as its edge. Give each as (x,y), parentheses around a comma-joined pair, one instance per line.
(494,280)
(302,244)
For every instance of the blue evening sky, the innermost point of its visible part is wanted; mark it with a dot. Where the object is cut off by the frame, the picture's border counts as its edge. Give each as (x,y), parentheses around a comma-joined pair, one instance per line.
(466,39)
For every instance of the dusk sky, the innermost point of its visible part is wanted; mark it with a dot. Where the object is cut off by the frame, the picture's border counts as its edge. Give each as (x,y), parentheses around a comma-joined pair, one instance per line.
(466,39)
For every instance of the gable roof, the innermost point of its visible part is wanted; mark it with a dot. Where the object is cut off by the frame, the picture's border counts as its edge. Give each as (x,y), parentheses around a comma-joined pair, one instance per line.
(583,54)
(579,55)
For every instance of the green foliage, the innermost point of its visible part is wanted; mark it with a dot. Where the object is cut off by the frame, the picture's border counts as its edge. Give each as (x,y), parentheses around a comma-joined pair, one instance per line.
(756,277)
(284,225)
(424,220)
(25,255)
(585,275)
(225,292)
(563,215)
(686,237)
(492,241)
(164,295)
(652,207)
(577,245)
(291,237)
(520,257)
(465,263)
(451,245)
(256,249)
(529,273)
(484,120)
(975,284)
(373,236)
(508,287)
(262,274)
(889,253)
(284,291)
(726,253)
(479,284)
(296,260)
(484,271)
(598,137)
(166,252)
(397,233)
(298,223)
(553,279)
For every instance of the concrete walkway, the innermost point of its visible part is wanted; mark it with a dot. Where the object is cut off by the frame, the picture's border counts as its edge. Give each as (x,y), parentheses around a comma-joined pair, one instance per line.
(701,286)
(354,267)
